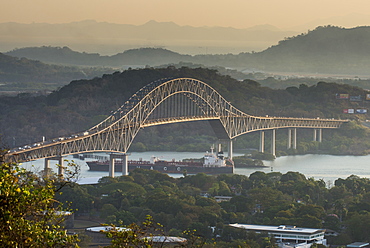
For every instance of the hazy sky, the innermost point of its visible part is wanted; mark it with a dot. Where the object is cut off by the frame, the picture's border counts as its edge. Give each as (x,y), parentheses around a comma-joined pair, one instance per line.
(227,13)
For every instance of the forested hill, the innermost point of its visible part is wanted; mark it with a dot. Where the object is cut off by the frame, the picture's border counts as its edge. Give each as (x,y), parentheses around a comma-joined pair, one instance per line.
(325,50)
(132,58)
(56,55)
(23,70)
(331,41)
(83,103)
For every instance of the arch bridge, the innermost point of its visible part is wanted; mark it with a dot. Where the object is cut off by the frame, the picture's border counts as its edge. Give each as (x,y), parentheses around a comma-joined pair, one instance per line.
(162,102)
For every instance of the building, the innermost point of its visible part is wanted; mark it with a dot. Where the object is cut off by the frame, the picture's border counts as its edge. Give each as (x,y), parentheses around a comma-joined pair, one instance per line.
(288,234)
(176,241)
(220,198)
(99,239)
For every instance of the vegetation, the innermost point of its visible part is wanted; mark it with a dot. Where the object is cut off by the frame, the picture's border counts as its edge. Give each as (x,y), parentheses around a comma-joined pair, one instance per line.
(280,82)
(245,161)
(29,214)
(185,207)
(189,203)
(21,74)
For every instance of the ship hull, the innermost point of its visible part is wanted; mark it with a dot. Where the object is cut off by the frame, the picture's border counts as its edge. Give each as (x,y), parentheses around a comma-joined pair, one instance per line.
(164,168)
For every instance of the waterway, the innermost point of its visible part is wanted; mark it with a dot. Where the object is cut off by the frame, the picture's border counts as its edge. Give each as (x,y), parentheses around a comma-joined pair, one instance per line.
(326,167)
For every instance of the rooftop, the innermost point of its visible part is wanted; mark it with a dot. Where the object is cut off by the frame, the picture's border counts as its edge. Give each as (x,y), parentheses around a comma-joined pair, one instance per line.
(279,229)
(166,239)
(106,229)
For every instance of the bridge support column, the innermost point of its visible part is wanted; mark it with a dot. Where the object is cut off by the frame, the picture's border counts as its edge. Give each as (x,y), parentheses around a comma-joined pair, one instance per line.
(230,155)
(111,165)
(60,168)
(317,134)
(262,141)
(292,138)
(219,147)
(46,167)
(124,165)
(273,142)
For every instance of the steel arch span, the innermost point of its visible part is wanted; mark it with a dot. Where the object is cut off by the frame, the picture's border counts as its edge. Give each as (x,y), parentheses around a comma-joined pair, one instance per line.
(162,102)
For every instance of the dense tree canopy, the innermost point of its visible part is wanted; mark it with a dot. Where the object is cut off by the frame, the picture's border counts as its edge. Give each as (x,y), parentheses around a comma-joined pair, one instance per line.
(189,203)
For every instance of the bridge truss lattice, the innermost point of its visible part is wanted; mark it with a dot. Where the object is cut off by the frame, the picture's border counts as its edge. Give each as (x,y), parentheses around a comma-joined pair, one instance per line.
(162,102)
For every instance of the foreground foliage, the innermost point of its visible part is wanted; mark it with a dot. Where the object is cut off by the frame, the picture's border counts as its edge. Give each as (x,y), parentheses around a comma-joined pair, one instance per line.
(29,214)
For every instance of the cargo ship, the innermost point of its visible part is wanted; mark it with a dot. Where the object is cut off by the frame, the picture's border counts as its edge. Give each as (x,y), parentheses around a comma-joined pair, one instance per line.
(210,164)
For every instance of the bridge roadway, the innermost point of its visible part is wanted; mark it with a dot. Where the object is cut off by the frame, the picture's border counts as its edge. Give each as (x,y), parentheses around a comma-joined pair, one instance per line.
(168,101)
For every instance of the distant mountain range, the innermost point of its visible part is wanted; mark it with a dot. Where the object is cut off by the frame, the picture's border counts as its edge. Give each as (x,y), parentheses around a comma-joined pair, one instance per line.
(130,58)
(325,50)
(108,38)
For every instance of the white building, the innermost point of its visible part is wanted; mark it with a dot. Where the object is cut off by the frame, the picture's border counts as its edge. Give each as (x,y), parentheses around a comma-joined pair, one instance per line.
(288,234)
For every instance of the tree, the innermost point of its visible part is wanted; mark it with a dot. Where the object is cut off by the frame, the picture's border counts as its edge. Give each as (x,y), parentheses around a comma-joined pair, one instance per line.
(144,235)
(358,226)
(77,197)
(29,215)
(133,235)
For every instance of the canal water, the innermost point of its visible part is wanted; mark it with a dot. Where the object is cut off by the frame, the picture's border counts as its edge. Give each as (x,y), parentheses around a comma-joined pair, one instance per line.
(326,167)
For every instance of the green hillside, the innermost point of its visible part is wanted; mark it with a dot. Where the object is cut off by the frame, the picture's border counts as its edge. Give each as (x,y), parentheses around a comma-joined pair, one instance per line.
(56,55)
(324,50)
(23,74)
(133,57)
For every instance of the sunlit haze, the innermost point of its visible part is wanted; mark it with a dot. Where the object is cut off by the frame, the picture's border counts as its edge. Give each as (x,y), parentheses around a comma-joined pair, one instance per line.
(273,20)
(233,13)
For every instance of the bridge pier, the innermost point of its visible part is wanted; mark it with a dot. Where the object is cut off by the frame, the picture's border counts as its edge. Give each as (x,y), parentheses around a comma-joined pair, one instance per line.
(219,147)
(273,142)
(317,135)
(230,150)
(60,168)
(111,165)
(124,165)
(292,136)
(262,141)
(47,165)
